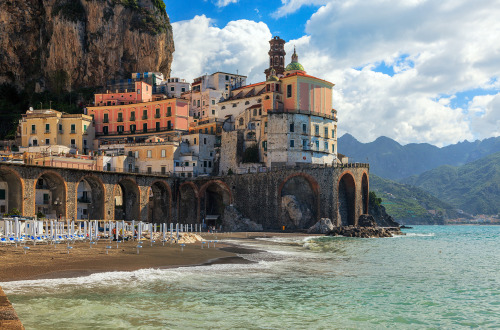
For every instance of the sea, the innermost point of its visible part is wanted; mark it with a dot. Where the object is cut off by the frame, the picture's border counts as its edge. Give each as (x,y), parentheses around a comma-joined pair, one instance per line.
(434,277)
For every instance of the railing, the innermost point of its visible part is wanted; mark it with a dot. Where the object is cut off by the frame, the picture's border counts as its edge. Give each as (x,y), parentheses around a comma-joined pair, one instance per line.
(144,117)
(137,131)
(105,120)
(120,120)
(73,131)
(85,200)
(157,115)
(132,118)
(47,132)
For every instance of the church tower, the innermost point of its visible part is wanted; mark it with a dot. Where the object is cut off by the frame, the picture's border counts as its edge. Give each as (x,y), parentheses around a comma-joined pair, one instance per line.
(276,57)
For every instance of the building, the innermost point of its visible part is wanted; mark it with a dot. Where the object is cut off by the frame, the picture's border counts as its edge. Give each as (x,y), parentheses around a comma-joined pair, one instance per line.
(136,115)
(288,118)
(196,155)
(174,87)
(276,57)
(49,128)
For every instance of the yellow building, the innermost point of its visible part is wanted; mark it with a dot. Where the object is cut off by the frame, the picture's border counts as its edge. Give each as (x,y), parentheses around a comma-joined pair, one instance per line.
(43,128)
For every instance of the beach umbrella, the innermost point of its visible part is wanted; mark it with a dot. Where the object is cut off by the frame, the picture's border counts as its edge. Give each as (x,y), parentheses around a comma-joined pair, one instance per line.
(177,231)
(116,231)
(96,230)
(123,230)
(85,229)
(140,231)
(164,228)
(133,229)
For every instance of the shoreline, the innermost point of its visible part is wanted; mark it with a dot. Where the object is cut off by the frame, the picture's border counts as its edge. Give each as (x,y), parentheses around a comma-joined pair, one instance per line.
(43,262)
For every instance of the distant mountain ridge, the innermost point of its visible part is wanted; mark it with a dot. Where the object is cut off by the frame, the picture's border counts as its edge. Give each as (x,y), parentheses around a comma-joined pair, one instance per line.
(391,160)
(473,187)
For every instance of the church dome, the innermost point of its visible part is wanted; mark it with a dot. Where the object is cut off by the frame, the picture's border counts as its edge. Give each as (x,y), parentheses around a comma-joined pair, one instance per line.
(273,76)
(294,65)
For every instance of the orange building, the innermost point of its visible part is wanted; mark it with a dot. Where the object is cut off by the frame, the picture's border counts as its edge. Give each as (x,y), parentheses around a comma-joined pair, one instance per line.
(139,114)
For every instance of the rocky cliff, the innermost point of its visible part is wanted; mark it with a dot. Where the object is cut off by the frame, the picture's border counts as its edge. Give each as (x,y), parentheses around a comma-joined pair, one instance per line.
(77,43)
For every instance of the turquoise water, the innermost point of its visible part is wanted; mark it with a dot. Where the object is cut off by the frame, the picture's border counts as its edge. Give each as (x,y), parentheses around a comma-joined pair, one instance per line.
(435,277)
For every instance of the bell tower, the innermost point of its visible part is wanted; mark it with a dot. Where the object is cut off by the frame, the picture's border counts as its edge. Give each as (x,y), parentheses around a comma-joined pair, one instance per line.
(276,57)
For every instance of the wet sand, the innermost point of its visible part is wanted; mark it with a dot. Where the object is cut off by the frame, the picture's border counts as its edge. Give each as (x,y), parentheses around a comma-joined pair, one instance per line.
(53,261)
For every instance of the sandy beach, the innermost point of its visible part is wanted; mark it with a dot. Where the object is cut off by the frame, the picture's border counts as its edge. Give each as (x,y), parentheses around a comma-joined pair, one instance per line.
(53,261)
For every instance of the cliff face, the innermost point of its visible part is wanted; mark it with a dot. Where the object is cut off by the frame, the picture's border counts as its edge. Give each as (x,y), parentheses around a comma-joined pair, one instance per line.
(78,43)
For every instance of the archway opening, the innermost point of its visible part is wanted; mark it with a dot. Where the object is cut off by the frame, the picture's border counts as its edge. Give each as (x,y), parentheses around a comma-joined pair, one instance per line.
(50,196)
(298,203)
(127,200)
(159,203)
(215,199)
(188,204)
(347,200)
(90,199)
(364,193)
(11,194)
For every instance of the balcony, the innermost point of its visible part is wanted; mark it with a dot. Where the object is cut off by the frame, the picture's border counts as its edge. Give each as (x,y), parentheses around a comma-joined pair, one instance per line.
(84,200)
(73,131)
(120,120)
(47,132)
(157,115)
(33,131)
(144,117)
(132,118)
(105,120)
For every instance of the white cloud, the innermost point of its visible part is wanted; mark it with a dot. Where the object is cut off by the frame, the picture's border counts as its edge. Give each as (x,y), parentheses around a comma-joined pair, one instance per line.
(435,48)
(201,47)
(224,3)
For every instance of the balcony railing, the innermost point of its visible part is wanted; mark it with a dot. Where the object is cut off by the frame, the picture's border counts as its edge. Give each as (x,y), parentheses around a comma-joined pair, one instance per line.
(157,115)
(105,120)
(132,118)
(47,131)
(85,200)
(120,120)
(33,131)
(73,131)
(137,131)
(144,117)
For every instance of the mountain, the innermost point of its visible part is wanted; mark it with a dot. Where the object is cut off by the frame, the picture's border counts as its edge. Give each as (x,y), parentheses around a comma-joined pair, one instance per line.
(409,204)
(68,44)
(473,187)
(391,160)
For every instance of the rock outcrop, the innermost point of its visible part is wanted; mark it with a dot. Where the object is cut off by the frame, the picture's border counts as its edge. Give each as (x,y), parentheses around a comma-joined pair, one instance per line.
(296,214)
(323,226)
(365,232)
(234,221)
(77,43)
(380,215)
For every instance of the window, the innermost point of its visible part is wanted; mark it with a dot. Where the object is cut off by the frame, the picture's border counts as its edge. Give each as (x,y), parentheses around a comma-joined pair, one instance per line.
(204,140)
(213,112)
(288,90)
(169,124)
(326,133)
(260,112)
(206,130)
(60,127)
(292,127)
(144,114)
(317,145)
(209,163)
(326,146)
(227,77)
(157,113)
(304,128)
(33,129)
(137,154)
(138,91)
(183,89)
(169,111)
(255,112)
(292,143)
(157,126)
(46,198)
(84,128)
(150,153)
(73,128)
(132,128)
(333,134)
(213,102)
(333,148)
(316,129)
(186,164)
(120,128)
(204,163)
(241,122)
(106,118)
(304,144)
(234,105)
(2,194)
(264,145)
(35,143)
(212,130)
(145,127)
(120,116)
(73,142)
(163,170)
(163,153)
(47,141)
(85,143)
(132,116)
(105,130)
(47,128)
(223,107)
(172,88)
(198,103)
(150,170)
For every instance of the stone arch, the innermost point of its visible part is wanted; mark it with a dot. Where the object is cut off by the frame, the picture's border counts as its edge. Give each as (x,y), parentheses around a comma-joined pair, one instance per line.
(189,203)
(365,192)
(127,200)
(50,195)
(90,193)
(347,199)
(13,188)
(298,201)
(160,202)
(215,195)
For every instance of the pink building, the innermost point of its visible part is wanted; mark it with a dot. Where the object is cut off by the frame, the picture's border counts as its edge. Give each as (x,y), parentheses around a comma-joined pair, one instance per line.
(138,113)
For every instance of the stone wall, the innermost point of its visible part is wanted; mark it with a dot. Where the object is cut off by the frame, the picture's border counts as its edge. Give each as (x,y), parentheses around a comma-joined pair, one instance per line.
(8,316)
(257,196)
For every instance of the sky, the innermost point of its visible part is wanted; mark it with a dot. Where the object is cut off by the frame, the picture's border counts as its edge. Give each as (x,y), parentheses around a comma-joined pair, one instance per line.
(417,71)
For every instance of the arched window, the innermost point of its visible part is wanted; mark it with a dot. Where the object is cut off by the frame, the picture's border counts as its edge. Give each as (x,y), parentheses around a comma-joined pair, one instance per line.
(241,122)
(247,102)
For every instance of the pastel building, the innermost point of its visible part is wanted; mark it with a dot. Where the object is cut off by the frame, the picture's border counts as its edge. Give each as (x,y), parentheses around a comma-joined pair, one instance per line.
(50,128)
(289,118)
(136,115)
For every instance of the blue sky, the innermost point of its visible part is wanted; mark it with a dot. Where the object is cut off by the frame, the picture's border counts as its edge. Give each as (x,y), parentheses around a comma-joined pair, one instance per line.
(413,70)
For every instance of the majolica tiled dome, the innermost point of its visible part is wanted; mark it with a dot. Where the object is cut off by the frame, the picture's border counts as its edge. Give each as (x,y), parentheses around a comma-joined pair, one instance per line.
(294,65)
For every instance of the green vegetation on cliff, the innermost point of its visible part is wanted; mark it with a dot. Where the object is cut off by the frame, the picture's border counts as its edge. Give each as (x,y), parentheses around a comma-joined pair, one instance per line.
(474,187)
(410,205)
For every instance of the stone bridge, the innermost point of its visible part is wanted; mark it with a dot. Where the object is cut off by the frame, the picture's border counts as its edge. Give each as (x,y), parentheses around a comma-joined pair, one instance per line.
(295,197)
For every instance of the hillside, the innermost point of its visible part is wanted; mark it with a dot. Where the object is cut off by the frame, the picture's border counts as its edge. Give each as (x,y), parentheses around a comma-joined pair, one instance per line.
(474,187)
(391,160)
(410,205)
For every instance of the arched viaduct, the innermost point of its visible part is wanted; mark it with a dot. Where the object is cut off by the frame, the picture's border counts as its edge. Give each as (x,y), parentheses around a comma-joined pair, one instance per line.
(291,197)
